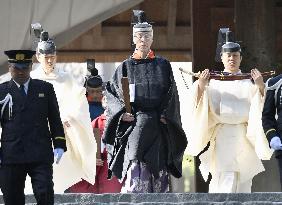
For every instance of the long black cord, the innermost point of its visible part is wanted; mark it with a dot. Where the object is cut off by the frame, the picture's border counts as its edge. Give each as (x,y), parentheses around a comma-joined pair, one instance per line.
(185,83)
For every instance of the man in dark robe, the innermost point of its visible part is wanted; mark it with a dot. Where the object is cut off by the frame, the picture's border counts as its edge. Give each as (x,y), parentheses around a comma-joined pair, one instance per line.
(148,143)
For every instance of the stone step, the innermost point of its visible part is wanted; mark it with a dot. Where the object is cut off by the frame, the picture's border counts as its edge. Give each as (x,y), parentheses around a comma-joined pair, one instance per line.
(169,199)
(184,203)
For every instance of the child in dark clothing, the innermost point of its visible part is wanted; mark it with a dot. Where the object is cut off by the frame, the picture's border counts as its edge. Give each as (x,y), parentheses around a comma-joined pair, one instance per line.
(94,96)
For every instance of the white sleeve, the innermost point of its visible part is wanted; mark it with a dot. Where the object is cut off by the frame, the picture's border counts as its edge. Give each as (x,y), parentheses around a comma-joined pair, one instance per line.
(255,132)
(198,126)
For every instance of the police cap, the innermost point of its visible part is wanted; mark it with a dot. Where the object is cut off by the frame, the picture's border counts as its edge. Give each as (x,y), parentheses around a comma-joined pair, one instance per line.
(21,58)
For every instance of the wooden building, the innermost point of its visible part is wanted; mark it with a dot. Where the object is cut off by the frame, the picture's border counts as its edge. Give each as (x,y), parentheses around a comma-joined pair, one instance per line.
(185,30)
(110,41)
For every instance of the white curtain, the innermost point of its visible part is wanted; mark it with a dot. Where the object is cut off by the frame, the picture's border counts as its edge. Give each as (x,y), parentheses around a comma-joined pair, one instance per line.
(65,20)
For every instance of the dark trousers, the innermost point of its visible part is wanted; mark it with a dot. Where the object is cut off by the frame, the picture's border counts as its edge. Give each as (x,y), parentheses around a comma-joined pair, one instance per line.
(13,183)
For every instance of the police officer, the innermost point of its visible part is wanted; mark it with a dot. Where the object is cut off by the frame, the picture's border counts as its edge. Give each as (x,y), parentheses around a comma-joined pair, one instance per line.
(31,125)
(273,126)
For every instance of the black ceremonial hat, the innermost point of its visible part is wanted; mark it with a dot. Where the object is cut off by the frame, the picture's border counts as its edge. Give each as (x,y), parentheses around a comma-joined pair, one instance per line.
(94,81)
(46,45)
(230,46)
(140,22)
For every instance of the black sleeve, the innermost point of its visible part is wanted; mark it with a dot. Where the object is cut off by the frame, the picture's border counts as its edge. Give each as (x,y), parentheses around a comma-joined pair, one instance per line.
(269,122)
(176,137)
(168,95)
(55,123)
(115,107)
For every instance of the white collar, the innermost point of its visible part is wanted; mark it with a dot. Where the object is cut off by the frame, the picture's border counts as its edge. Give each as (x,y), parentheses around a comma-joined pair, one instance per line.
(238,72)
(25,84)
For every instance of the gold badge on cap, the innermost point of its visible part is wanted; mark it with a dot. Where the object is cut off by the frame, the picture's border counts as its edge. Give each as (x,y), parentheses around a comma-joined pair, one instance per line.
(20,56)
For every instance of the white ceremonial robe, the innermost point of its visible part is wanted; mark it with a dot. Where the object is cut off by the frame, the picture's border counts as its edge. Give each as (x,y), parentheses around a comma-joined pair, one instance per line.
(79,162)
(228,116)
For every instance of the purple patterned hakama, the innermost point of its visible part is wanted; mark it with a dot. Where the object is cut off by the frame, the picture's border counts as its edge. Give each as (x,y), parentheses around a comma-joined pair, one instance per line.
(139,179)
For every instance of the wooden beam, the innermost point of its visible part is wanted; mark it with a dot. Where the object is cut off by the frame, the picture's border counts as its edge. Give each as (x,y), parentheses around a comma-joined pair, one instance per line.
(158,30)
(118,56)
(182,40)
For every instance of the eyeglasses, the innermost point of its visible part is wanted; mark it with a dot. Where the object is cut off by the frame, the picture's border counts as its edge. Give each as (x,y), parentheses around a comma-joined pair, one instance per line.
(144,36)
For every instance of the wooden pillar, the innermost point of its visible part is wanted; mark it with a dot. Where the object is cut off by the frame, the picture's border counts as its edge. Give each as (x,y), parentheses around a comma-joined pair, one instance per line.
(203,54)
(171,17)
(255,27)
(204,40)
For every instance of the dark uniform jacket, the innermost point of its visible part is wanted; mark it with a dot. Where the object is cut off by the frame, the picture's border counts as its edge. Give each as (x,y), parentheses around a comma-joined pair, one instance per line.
(271,123)
(34,126)
(160,146)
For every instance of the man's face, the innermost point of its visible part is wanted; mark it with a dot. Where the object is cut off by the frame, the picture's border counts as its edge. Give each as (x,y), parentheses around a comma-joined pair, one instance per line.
(47,61)
(231,61)
(143,41)
(20,74)
(94,94)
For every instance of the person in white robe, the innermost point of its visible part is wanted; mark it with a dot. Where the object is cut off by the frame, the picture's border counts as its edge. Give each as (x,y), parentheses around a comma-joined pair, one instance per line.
(228,115)
(79,162)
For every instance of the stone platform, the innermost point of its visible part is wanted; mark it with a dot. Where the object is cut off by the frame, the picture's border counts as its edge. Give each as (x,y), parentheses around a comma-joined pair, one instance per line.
(169,199)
